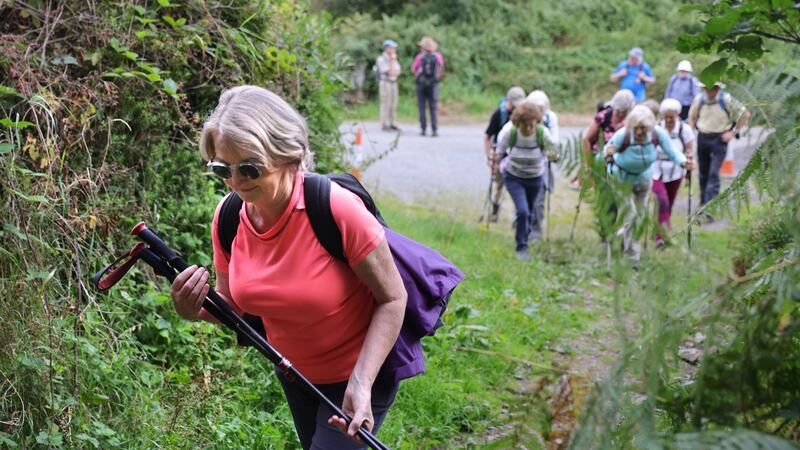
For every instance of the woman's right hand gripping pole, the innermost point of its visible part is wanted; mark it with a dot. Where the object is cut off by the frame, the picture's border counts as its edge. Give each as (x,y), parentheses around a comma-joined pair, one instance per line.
(189,290)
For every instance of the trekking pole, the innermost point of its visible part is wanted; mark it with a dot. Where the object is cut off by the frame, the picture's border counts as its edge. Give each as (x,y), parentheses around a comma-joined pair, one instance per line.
(550,183)
(577,212)
(165,262)
(487,204)
(689,213)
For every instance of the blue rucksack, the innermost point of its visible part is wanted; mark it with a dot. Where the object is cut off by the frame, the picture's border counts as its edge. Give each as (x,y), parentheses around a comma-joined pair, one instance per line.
(429,278)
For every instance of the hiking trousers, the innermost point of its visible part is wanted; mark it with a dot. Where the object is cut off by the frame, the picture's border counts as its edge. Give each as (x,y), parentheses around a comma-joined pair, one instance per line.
(524,192)
(537,221)
(637,210)
(387,91)
(711,153)
(428,95)
(665,194)
(310,416)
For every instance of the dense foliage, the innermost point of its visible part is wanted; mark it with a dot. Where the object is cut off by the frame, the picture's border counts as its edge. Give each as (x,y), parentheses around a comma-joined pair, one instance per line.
(100,104)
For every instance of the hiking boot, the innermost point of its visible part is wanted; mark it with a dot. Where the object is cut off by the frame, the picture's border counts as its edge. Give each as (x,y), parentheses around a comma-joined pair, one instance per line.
(535,235)
(386,128)
(523,256)
(394,128)
(422,133)
(434,134)
(495,212)
(660,244)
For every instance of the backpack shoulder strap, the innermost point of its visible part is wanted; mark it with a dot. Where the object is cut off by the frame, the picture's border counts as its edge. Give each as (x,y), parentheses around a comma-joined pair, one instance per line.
(680,135)
(540,136)
(654,138)
(626,141)
(228,221)
(512,141)
(317,196)
(722,102)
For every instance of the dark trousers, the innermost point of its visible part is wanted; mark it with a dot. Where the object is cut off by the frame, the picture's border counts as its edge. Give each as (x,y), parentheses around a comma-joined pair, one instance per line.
(429,95)
(310,416)
(710,155)
(685,112)
(524,192)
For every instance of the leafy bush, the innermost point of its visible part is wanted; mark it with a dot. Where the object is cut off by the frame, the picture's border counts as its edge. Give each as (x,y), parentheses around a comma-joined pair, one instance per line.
(100,106)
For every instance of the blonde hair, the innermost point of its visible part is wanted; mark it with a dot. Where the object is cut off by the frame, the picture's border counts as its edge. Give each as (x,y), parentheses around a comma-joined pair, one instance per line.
(262,126)
(527,111)
(639,116)
(540,98)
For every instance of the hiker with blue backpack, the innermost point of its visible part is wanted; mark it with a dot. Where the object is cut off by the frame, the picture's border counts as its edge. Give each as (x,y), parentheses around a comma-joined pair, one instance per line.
(428,68)
(629,157)
(634,74)
(313,263)
(683,87)
(523,148)
(500,117)
(718,118)
(550,121)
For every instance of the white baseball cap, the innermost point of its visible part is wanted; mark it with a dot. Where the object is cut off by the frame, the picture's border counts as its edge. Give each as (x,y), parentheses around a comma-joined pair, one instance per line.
(684,65)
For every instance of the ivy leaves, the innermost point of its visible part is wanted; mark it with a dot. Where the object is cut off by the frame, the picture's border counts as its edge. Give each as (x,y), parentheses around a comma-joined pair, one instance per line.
(736,30)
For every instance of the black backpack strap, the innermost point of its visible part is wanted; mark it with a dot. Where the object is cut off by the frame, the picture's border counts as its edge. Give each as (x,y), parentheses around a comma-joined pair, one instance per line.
(228,221)
(317,196)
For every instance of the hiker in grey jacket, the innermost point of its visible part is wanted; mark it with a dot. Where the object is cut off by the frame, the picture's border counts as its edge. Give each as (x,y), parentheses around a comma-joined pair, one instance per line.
(683,87)
(523,148)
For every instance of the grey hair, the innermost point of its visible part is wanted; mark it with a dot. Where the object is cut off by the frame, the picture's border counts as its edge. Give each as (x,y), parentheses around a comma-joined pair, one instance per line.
(540,98)
(623,100)
(670,105)
(262,126)
(639,116)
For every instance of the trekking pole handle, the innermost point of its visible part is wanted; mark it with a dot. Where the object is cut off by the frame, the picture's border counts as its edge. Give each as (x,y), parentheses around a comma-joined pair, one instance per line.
(110,275)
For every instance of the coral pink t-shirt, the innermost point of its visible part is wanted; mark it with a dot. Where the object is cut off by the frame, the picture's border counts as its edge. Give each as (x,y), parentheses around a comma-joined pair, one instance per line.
(314,307)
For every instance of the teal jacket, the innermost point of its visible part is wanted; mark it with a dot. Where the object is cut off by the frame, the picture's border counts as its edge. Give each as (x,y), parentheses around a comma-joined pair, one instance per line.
(635,164)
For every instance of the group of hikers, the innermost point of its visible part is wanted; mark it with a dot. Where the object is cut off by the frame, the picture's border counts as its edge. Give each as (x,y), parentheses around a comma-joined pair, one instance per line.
(646,145)
(428,70)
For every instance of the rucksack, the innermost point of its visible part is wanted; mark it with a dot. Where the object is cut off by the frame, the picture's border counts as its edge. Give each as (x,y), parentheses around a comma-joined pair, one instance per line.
(512,140)
(505,114)
(427,75)
(720,100)
(428,276)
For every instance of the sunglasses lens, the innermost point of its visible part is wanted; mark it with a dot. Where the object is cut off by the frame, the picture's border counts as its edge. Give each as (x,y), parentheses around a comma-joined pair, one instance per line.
(220,170)
(249,171)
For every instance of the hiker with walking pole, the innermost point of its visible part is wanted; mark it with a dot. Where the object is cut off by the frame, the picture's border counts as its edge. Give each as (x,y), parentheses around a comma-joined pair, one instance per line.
(667,176)
(167,263)
(500,117)
(523,147)
(550,121)
(336,322)
(631,153)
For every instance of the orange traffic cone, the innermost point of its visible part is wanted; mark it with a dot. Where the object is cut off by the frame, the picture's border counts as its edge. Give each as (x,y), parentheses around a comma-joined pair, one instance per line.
(727,169)
(357,153)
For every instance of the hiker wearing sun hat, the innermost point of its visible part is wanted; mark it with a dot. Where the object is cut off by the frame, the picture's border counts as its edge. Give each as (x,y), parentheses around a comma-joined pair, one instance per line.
(717,117)
(388,69)
(683,87)
(428,68)
(634,74)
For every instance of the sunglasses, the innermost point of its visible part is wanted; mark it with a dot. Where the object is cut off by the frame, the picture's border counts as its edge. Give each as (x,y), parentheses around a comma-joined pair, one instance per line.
(225,171)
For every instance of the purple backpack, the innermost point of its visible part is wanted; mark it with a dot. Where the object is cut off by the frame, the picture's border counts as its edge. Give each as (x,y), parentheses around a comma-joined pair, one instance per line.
(429,278)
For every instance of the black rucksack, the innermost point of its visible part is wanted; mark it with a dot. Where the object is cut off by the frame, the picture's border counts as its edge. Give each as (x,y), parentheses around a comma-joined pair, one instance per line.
(427,75)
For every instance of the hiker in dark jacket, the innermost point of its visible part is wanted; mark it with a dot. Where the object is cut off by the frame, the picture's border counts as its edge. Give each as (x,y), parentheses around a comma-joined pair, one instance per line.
(718,118)
(523,148)
(428,68)
(499,118)
(683,87)
(336,322)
